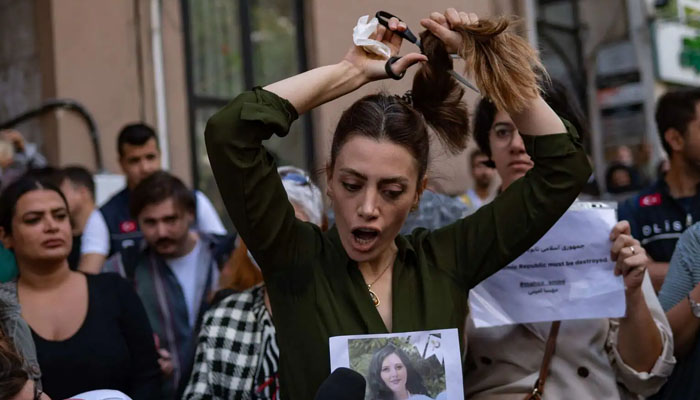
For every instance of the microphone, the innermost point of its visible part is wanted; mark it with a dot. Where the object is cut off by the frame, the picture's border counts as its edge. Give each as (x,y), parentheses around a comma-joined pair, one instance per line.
(342,384)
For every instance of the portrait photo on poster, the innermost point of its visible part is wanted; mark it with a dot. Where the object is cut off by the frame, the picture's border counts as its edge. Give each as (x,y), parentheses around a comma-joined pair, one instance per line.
(422,365)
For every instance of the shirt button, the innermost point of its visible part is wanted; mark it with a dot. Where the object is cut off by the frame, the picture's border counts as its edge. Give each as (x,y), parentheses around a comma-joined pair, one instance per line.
(582,372)
(486,360)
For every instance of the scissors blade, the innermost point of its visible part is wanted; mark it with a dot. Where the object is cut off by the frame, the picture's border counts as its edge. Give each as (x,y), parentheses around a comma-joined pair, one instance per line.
(463,81)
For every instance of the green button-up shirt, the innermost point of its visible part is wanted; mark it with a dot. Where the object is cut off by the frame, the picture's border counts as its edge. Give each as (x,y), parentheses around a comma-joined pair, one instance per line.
(317,292)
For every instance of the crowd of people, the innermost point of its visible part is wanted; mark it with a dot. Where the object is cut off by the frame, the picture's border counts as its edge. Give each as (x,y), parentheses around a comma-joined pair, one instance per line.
(150,296)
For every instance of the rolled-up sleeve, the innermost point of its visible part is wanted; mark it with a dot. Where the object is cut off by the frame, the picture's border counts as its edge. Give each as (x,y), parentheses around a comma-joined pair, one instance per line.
(644,383)
(250,186)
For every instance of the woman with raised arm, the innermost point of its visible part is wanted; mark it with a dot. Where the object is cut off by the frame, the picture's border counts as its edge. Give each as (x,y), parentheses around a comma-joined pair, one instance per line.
(603,358)
(362,276)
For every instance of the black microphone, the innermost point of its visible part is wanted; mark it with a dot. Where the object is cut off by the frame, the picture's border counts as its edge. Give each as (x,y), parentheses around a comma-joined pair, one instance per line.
(342,384)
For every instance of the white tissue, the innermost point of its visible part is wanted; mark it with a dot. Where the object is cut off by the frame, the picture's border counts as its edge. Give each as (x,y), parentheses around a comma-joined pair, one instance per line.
(361,33)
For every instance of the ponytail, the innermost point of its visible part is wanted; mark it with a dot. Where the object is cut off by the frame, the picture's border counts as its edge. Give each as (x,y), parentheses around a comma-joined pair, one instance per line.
(504,65)
(438,96)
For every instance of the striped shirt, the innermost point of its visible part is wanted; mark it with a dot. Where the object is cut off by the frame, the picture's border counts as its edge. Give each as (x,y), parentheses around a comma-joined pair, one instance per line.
(684,269)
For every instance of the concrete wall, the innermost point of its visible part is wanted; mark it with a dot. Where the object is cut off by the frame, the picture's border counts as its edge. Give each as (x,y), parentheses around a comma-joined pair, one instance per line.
(331,36)
(20,77)
(98,52)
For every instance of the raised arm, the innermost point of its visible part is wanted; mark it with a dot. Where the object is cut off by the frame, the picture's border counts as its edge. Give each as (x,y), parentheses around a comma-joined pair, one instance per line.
(245,173)
(321,85)
(530,113)
(502,230)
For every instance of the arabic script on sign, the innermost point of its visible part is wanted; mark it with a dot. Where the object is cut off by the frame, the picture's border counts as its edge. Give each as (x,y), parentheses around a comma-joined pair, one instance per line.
(568,274)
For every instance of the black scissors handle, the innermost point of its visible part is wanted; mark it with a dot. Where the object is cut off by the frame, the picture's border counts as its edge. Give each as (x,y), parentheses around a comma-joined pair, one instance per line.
(383,17)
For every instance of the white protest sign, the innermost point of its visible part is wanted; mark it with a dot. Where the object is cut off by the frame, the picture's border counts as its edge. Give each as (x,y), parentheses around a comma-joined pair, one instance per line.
(568,274)
(430,363)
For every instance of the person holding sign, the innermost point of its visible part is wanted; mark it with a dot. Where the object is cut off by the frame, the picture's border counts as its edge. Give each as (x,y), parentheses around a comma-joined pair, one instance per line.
(594,358)
(362,277)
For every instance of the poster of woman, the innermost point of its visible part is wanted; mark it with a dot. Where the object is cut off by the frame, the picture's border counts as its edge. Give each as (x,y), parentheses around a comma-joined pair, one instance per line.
(403,366)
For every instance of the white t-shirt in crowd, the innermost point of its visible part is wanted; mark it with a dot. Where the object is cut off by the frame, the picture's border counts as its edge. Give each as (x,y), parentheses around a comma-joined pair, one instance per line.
(95,238)
(185,270)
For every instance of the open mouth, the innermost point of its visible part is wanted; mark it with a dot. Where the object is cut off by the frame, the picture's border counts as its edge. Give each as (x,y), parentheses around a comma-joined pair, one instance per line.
(363,238)
(365,235)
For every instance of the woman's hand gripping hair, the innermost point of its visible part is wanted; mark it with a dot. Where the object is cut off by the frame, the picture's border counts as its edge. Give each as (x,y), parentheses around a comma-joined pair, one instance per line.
(371,66)
(503,64)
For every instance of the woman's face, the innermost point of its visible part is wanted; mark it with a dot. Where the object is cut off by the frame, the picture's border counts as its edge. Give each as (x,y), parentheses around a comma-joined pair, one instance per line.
(508,149)
(373,186)
(41,229)
(393,373)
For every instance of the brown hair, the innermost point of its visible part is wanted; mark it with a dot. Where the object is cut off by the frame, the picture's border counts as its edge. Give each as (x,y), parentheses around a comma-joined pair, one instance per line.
(555,94)
(438,96)
(13,377)
(437,101)
(157,188)
(505,66)
(239,272)
(675,110)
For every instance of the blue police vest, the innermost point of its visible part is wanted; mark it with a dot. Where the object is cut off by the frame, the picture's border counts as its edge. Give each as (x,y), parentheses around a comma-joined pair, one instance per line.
(123,230)
(657,220)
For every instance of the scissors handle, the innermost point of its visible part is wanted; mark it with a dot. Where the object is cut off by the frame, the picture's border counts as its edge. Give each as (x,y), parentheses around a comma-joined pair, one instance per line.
(383,17)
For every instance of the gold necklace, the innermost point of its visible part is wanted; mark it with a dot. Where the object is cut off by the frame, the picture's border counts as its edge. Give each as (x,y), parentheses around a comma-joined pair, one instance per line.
(373,295)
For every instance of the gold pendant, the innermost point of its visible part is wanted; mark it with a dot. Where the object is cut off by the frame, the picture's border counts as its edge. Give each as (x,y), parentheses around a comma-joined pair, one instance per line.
(373,296)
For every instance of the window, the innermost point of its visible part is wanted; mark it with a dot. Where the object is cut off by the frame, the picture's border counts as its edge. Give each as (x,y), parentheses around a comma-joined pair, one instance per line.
(232,46)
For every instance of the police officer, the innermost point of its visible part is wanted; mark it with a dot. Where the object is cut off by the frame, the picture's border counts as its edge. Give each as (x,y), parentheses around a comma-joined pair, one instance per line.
(660,213)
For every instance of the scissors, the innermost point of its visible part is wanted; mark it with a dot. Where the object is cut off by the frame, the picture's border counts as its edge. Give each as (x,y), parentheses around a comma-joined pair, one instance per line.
(383,17)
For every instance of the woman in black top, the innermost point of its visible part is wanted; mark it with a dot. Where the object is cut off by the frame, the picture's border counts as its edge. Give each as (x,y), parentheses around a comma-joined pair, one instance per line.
(91,331)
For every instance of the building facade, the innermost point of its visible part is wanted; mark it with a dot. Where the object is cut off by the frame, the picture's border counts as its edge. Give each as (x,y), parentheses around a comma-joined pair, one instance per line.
(172,63)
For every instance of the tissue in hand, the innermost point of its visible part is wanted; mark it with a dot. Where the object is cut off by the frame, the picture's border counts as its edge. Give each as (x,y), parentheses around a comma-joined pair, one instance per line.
(361,33)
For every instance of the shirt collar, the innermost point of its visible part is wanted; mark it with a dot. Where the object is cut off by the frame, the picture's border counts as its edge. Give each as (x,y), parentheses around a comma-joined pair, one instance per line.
(662,186)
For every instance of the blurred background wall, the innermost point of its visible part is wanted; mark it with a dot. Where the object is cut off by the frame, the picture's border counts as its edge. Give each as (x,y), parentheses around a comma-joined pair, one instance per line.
(172,63)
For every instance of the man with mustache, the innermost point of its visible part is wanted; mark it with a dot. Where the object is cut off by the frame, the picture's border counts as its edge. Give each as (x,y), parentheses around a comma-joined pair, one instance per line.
(110,228)
(175,271)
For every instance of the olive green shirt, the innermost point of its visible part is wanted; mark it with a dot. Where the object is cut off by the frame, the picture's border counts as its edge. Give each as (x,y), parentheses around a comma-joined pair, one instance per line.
(317,292)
